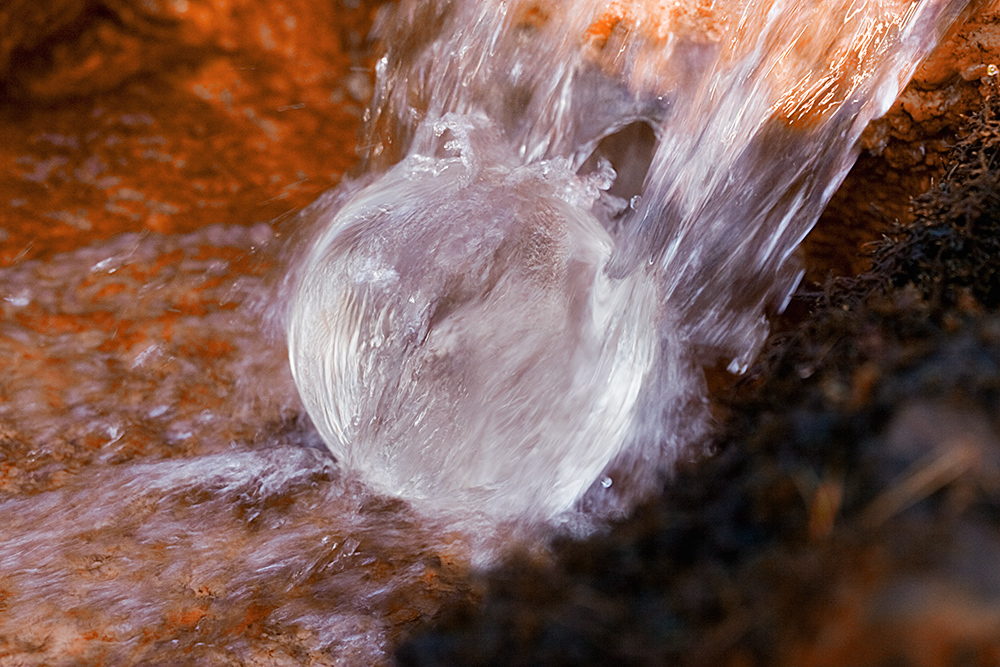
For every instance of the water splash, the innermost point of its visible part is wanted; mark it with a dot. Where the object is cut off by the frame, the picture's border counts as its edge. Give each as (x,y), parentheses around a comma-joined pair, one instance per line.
(569,208)
(161,501)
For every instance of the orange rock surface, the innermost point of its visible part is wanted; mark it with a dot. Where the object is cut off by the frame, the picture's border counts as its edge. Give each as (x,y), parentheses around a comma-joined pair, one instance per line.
(167,116)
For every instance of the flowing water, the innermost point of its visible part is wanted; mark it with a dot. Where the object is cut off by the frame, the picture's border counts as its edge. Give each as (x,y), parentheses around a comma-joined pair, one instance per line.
(567,210)
(591,201)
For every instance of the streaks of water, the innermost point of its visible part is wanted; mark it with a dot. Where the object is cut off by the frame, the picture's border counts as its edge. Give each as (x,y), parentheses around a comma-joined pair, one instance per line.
(488,320)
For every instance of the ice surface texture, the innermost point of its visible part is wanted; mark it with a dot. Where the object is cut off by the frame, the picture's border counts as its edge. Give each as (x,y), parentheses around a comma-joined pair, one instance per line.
(456,339)
(489,320)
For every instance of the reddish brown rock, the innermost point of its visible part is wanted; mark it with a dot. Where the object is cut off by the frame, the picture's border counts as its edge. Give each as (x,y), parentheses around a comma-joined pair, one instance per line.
(171,116)
(166,116)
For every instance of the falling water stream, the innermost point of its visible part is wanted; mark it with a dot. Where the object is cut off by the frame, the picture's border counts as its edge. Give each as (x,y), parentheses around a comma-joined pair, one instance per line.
(593,200)
(499,326)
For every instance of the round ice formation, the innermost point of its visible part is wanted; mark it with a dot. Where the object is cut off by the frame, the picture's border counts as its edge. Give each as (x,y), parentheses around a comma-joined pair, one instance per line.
(456,341)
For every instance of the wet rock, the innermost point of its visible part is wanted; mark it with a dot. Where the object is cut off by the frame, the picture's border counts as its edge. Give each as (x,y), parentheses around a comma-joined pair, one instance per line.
(905,151)
(168,117)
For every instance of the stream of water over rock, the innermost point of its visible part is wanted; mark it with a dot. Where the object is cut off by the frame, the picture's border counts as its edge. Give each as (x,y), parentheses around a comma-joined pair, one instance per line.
(592,200)
(567,210)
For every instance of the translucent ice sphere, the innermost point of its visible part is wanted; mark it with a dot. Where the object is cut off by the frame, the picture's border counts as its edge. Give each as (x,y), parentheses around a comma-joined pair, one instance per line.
(455,339)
